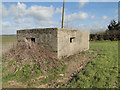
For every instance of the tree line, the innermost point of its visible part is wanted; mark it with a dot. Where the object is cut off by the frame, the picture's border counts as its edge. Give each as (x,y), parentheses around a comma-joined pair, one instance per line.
(112,33)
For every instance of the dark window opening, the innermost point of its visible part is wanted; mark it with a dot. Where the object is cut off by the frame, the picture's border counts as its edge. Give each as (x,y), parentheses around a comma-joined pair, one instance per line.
(33,39)
(72,39)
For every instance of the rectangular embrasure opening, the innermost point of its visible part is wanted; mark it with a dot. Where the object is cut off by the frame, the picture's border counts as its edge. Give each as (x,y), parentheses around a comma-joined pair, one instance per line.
(33,39)
(72,39)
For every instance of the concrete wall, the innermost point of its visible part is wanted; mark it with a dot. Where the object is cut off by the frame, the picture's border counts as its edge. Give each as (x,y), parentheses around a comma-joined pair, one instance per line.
(64,42)
(80,41)
(47,37)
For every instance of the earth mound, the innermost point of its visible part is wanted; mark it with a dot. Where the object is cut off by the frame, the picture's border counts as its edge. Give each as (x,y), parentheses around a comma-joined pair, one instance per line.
(35,53)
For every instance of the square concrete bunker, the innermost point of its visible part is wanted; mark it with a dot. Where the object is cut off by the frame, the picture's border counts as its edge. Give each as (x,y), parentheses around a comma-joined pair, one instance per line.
(63,42)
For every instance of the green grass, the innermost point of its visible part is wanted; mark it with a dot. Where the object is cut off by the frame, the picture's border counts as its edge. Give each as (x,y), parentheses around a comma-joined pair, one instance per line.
(102,71)
(54,74)
(26,73)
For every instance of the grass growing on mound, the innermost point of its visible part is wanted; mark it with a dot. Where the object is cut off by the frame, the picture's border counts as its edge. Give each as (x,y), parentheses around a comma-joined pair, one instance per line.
(27,74)
(23,74)
(102,71)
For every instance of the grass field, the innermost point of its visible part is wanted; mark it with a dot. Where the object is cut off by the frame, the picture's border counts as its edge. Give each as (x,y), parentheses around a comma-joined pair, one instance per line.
(101,72)
(7,40)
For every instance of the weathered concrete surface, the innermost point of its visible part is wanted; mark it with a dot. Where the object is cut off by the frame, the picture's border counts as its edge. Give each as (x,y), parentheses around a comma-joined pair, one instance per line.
(80,41)
(47,37)
(63,42)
